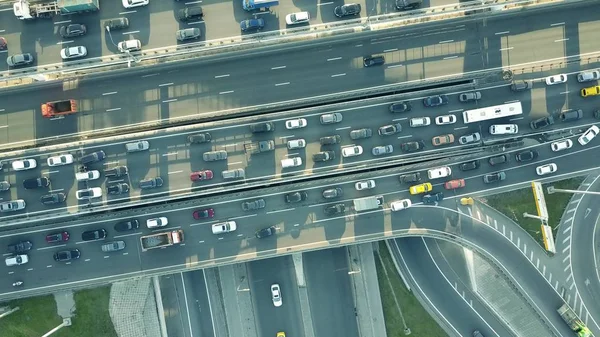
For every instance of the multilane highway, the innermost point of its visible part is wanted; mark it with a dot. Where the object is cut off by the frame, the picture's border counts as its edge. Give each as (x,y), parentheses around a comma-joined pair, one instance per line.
(173,158)
(302,72)
(299,226)
(155,25)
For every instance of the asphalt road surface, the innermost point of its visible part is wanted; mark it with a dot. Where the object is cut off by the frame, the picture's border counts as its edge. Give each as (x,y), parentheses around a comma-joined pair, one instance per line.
(287,74)
(447,290)
(173,159)
(302,225)
(330,292)
(155,25)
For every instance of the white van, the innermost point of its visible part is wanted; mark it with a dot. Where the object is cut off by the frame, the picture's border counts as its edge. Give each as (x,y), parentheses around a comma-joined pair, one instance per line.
(224,227)
(419,121)
(233,174)
(89,175)
(504,129)
(291,162)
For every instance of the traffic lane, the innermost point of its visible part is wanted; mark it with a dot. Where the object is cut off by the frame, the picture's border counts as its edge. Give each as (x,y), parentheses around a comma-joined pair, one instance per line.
(463,311)
(330,292)
(300,225)
(42,270)
(270,319)
(196,293)
(581,243)
(176,312)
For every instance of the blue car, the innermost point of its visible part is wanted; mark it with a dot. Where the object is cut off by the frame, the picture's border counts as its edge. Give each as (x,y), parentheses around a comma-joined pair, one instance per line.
(436,100)
(252,25)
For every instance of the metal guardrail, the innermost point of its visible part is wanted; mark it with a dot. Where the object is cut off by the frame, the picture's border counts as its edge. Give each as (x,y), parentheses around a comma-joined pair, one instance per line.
(155,56)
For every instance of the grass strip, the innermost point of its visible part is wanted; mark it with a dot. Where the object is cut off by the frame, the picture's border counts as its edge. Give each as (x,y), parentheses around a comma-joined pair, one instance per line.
(514,203)
(417,318)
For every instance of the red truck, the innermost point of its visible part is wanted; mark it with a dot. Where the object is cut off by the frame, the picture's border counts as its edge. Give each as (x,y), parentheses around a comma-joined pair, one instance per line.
(59,108)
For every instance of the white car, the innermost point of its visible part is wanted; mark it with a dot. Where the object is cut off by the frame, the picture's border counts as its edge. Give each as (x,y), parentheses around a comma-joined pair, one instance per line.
(224,227)
(135,3)
(16,260)
(297,18)
(89,175)
(63,159)
(73,52)
(296,144)
(352,151)
(276,295)
(13,205)
(295,123)
(24,164)
(546,169)
(561,145)
(587,136)
(399,205)
(379,150)
(157,222)
(445,119)
(365,185)
(556,79)
(129,45)
(89,193)
(470,138)
(439,172)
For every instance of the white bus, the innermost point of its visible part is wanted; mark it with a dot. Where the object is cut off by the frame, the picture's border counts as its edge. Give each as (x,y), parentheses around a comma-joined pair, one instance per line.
(492,112)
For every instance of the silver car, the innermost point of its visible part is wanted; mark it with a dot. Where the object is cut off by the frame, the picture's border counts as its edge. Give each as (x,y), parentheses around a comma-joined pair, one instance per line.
(471,138)
(331,118)
(19,60)
(379,150)
(215,155)
(113,246)
(13,205)
(188,34)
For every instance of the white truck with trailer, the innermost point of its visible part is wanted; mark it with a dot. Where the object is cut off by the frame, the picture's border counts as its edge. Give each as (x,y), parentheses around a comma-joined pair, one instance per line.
(368,203)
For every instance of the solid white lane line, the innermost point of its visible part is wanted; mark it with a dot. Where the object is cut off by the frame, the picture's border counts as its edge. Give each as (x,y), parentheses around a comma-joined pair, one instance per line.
(338,75)
(280,84)
(113,109)
(334,59)
(504,32)
(61,22)
(226,92)
(109,93)
(221,76)
(280,67)
(169,100)
(165,84)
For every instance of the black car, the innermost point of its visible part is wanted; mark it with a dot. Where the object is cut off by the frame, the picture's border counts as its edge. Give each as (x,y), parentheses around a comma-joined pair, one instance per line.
(571,115)
(400,107)
(118,23)
(151,183)
(370,61)
(253,205)
(494,177)
(331,193)
(190,14)
(262,127)
(265,232)
(67,255)
(468,166)
(32,183)
(388,130)
(119,188)
(20,247)
(412,146)
(501,159)
(404,5)
(92,157)
(296,196)
(199,138)
(72,30)
(324,156)
(128,225)
(433,198)
(526,155)
(252,25)
(334,209)
(330,140)
(53,198)
(542,122)
(347,10)
(19,60)
(96,234)
(410,178)
(436,100)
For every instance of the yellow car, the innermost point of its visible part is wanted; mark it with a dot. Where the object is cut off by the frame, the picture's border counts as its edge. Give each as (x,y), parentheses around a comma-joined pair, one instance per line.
(281,334)
(591,91)
(421,188)
(467,201)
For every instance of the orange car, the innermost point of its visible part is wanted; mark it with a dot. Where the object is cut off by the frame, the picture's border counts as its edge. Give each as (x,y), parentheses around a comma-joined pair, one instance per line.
(443,139)
(454,184)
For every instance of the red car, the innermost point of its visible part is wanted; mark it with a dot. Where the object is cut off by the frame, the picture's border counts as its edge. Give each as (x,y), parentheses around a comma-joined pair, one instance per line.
(201,175)
(204,213)
(454,184)
(57,237)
